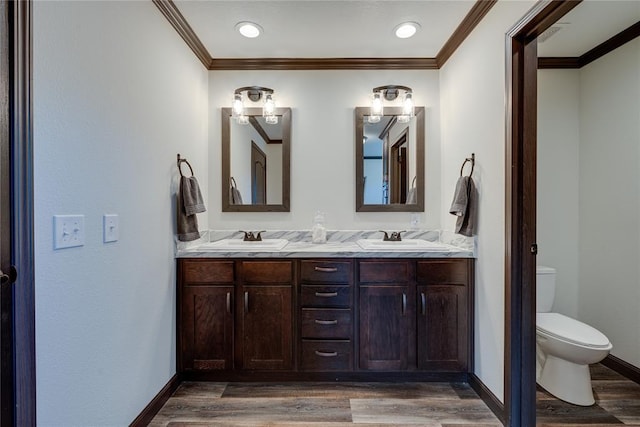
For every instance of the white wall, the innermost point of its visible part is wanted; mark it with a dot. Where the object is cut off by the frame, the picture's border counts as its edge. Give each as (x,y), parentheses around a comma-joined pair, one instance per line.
(558,187)
(472,94)
(589,193)
(117,94)
(323,146)
(609,294)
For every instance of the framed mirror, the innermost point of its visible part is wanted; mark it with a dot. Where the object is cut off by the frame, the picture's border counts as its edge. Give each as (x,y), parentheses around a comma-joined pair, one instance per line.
(256,162)
(389,162)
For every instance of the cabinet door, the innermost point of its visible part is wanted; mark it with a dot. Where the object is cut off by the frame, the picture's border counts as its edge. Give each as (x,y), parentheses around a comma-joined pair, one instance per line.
(207,327)
(266,327)
(386,316)
(442,328)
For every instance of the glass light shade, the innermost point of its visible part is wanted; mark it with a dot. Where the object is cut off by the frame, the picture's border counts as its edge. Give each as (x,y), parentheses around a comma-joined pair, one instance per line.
(377,106)
(237,106)
(404,118)
(407,105)
(373,119)
(242,120)
(269,107)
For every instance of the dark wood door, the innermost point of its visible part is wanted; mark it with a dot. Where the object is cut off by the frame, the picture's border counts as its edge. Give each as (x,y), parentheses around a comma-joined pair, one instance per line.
(258,175)
(442,328)
(266,327)
(207,328)
(386,316)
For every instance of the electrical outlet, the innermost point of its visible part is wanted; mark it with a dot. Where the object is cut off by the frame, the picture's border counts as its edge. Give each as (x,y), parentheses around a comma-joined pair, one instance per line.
(110,227)
(68,231)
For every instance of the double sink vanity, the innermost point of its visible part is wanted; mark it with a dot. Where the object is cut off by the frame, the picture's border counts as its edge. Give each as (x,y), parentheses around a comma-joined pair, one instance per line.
(355,308)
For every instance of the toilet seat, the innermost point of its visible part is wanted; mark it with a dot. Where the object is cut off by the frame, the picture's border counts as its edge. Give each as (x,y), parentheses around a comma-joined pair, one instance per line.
(571,330)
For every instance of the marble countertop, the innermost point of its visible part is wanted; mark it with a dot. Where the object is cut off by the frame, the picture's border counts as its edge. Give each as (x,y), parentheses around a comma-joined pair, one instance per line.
(340,244)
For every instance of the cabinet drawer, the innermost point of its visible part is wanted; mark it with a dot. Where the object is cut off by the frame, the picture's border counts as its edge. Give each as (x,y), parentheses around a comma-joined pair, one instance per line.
(326,355)
(385,271)
(205,271)
(268,272)
(326,323)
(325,296)
(442,272)
(325,271)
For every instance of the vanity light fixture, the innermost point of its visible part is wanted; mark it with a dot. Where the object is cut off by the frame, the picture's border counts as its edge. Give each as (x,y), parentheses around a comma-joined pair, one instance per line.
(254,94)
(391,92)
(406,29)
(249,29)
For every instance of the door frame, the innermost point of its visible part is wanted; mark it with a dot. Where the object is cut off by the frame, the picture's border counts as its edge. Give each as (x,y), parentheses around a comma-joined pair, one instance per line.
(520,205)
(16,51)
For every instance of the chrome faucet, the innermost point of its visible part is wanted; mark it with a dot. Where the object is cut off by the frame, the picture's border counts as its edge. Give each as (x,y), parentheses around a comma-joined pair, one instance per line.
(249,236)
(394,237)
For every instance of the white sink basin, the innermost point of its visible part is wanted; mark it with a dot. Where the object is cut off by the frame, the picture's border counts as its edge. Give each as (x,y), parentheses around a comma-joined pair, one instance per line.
(418,245)
(241,245)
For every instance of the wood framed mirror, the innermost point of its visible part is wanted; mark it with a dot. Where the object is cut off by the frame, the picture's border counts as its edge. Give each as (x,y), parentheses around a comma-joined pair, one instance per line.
(389,162)
(256,156)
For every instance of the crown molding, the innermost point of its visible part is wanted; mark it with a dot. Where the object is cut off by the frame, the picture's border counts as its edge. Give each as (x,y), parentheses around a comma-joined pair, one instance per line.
(473,18)
(178,21)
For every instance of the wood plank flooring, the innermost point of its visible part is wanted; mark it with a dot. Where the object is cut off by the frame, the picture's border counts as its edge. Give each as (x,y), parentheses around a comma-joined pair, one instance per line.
(314,404)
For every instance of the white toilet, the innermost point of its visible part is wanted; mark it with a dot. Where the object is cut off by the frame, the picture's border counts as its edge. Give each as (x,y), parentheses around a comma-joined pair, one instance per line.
(564,347)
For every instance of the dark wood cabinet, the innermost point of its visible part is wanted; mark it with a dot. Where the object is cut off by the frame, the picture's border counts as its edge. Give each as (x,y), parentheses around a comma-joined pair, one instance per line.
(445,301)
(324,318)
(205,314)
(265,328)
(326,315)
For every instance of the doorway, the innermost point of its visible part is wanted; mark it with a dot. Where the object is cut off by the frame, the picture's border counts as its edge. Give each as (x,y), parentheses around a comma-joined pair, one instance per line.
(258,175)
(399,169)
(17,300)
(520,202)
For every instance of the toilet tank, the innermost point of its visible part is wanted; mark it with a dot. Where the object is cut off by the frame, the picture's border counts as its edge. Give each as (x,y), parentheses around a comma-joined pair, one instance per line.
(545,288)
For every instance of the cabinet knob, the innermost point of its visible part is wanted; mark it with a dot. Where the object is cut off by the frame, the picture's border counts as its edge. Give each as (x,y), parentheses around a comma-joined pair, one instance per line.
(326,353)
(326,322)
(326,294)
(326,269)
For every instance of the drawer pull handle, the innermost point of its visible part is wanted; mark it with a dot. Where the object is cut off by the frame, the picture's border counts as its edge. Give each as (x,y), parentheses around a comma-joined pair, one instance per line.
(404,303)
(423,299)
(326,294)
(326,269)
(326,353)
(326,322)
(228,302)
(246,302)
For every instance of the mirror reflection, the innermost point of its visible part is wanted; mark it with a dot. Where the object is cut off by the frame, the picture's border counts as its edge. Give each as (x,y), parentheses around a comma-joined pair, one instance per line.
(255,157)
(389,162)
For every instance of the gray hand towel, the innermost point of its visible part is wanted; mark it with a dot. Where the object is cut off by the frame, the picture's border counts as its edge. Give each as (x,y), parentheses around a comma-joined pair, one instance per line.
(187,224)
(465,206)
(191,196)
(412,196)
(235,198)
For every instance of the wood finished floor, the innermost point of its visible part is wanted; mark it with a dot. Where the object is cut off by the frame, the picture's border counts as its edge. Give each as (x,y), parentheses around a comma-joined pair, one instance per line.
(199,404)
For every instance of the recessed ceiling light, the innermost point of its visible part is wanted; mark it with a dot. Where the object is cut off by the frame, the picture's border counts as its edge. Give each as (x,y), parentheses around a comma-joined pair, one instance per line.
(249,29)
(406,29)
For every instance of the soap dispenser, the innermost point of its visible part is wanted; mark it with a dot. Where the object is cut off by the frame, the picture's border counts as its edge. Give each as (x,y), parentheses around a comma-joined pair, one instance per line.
(318,231)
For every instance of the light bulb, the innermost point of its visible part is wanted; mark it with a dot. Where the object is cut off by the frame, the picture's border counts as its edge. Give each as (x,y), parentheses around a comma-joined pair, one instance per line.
(376,105)
(407,105)
(238,105)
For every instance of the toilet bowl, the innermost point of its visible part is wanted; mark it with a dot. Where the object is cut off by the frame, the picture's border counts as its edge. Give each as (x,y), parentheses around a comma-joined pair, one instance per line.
(565,347)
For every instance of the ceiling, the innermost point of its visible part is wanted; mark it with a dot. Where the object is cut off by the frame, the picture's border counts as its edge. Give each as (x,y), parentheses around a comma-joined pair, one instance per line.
(325,28)
(329,29)
(587,25)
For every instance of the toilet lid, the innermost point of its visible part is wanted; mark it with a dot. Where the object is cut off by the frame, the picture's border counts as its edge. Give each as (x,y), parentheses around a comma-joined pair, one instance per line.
(570,330)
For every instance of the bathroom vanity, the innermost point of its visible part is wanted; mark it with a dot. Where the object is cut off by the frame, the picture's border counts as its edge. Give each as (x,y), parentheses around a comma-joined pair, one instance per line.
(339,318)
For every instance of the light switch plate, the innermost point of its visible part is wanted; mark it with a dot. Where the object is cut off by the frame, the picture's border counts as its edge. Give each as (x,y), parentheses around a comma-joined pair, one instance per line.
(68,231)
(111,230)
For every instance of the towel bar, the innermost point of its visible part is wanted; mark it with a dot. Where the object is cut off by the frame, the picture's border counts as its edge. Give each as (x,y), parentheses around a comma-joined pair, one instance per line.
(179,163)
(471,159)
